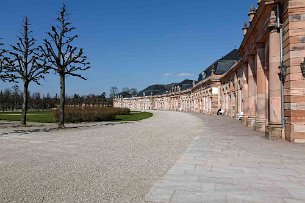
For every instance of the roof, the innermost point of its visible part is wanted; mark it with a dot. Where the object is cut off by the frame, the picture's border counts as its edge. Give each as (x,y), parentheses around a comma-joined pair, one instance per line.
(221,65)
(125,94)
(233,55)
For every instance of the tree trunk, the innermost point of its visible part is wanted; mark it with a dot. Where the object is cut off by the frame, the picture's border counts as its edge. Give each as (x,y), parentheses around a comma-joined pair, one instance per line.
(24,103)
(61,123)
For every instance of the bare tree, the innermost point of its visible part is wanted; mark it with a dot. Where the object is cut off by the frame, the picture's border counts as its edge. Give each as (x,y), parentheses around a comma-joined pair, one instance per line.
(133,91)
(24,63)
(62,57)
(113,92)
(16,97)
(126,89)
(103,95)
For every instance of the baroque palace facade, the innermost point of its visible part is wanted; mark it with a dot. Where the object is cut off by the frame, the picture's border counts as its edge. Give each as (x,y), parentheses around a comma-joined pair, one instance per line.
(264,85)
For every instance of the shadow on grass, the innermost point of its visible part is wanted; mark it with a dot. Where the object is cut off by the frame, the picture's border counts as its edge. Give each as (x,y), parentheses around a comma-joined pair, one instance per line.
(120,119)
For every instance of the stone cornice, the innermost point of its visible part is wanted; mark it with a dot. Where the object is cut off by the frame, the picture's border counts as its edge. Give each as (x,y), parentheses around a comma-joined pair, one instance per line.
(252,34)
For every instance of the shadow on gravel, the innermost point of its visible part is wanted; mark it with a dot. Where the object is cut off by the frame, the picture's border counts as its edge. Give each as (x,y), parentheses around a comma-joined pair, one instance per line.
(117,123)
(27,131)
(15,125)
(13,129)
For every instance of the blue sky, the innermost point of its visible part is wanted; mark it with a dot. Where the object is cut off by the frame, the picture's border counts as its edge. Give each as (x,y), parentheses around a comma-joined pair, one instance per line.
(133,43)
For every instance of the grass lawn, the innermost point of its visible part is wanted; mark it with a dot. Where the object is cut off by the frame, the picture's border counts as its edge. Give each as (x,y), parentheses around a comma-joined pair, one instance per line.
(134,116)
(32,116)
(48,116)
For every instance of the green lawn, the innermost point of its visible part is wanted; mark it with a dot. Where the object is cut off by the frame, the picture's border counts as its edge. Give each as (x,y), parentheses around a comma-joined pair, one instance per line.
(134,116)
(48,116)
(32,116)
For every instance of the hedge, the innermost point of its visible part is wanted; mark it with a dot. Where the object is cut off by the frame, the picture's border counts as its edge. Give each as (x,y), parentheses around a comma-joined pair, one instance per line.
(91,114)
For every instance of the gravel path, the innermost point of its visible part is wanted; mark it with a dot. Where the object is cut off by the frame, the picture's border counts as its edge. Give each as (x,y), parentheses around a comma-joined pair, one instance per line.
(94,163)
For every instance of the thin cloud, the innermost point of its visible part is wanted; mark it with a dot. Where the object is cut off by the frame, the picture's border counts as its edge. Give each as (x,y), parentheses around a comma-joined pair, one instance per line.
(184,75)
(167,74)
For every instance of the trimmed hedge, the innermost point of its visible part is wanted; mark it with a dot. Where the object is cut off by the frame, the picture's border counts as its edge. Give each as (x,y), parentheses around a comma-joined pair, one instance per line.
(91,114)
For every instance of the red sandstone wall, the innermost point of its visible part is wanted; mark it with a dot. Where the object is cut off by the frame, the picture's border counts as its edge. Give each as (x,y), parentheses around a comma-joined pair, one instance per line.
(294,53)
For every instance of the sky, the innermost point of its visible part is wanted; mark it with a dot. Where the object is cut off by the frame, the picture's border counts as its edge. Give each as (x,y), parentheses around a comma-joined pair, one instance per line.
(133,43)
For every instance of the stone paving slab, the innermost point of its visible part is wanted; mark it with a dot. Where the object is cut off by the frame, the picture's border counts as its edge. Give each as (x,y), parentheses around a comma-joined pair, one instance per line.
(229,162)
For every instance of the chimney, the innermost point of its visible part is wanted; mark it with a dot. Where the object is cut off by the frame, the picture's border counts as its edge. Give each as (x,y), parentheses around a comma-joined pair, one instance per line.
(259,2)
(251,13)
(245,29)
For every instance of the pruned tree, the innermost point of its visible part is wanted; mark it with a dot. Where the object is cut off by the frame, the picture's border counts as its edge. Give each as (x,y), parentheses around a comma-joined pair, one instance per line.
(103,95)
(6,101)
(17,99)
(62,57)
(4,74)
(2,51)
(24,64)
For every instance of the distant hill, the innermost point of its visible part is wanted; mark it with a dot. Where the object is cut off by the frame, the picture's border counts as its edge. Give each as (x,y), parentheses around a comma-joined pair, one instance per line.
(159,89)
(220,66)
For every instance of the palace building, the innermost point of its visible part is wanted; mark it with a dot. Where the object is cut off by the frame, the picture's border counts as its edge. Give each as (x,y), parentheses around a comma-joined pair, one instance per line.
(262,83)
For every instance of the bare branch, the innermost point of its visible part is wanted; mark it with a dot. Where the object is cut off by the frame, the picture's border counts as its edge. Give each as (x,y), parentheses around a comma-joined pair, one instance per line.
(24,62)
(76,75)
(61,56)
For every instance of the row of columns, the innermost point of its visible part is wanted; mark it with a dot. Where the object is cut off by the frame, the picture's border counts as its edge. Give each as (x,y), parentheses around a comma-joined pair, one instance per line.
(232,96)
(180,102)
(261,98)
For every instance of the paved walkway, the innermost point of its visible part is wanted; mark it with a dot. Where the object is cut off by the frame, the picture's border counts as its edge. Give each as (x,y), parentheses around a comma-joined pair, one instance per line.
(231,163)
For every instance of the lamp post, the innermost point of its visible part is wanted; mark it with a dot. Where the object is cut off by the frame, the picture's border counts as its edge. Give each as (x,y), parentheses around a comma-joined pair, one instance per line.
(303,68)
(283,70)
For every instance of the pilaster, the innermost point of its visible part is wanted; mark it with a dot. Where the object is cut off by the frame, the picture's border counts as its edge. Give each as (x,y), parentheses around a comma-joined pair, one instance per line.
(245,90)
(273,130)
(260,123)
(252,91)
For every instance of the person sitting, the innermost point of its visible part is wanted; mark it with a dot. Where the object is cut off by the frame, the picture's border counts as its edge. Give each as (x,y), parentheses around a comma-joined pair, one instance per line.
(240,115)
(220,112)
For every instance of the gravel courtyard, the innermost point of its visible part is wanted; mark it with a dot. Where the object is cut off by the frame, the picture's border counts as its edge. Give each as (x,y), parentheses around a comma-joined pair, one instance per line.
(109,162)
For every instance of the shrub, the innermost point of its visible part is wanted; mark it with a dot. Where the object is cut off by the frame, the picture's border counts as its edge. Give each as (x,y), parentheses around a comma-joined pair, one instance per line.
(91,114)
(123,111)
